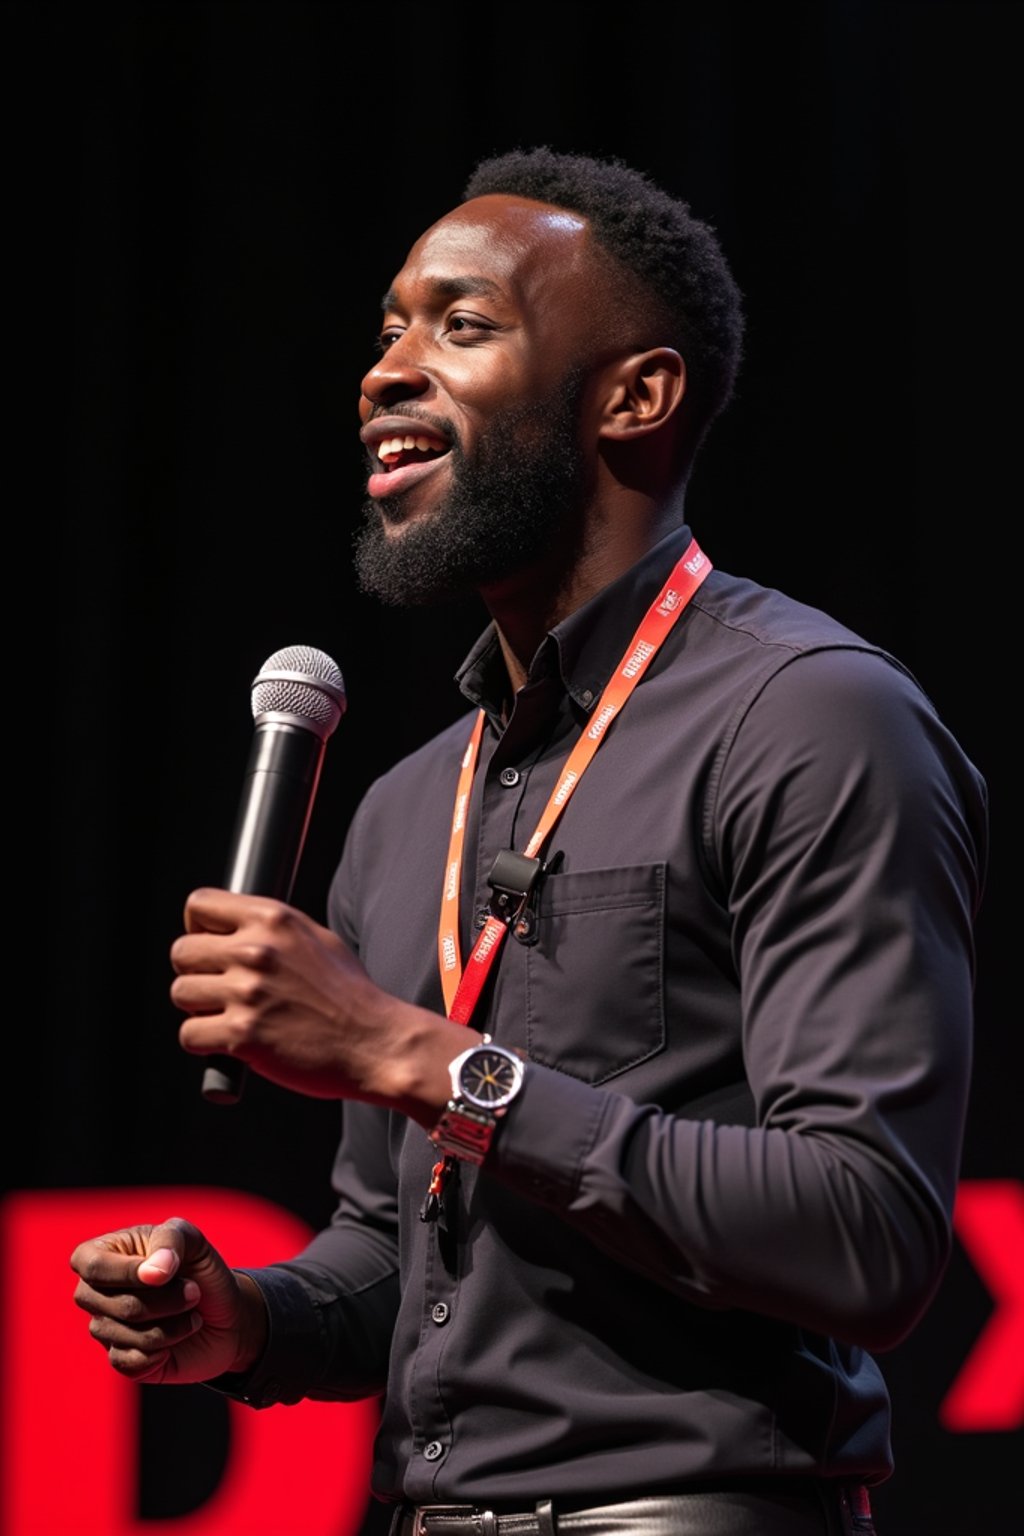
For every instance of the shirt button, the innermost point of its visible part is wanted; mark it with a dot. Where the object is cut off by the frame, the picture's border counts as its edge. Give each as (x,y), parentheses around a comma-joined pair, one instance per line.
(433,1449)
(509,777)
(439,1312)
(587,695)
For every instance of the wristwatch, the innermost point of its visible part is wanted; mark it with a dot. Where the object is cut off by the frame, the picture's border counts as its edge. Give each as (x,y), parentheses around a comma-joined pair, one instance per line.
(485,1081)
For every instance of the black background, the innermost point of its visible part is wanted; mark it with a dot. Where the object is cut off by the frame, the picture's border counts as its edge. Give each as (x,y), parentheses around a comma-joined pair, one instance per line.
(204,204)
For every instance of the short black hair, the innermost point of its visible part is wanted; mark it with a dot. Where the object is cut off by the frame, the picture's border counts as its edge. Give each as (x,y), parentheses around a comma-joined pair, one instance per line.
(676,256)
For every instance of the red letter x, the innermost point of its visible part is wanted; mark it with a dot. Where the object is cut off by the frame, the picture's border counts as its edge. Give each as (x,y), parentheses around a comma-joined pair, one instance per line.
(988,1394)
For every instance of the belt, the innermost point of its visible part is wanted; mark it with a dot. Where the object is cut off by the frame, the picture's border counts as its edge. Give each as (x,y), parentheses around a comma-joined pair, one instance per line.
(782,1507)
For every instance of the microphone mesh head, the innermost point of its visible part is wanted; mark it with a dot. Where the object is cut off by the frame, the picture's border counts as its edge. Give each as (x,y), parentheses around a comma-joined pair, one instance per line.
(303,682)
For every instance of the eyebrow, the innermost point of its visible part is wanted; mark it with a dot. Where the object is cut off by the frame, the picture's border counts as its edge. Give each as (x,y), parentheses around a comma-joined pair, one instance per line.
(451,288)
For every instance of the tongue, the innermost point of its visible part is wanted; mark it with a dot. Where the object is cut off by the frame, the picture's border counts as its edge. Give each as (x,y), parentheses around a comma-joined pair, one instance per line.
(412,456)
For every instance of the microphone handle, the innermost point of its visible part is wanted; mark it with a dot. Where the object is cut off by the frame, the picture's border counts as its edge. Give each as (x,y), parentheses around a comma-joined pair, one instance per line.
(280,785)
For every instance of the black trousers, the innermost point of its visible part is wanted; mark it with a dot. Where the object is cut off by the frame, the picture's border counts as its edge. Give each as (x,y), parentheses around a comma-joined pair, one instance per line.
(769,1507)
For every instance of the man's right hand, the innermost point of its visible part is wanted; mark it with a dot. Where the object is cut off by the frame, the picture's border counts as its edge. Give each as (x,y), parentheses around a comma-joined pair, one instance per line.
(165,1306)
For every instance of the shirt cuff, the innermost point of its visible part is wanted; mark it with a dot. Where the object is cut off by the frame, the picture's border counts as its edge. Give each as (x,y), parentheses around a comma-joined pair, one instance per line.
(294,1350)
(543,1143)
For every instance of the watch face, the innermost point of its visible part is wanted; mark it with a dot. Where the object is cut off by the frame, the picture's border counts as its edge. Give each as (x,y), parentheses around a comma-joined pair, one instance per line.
(490,1077)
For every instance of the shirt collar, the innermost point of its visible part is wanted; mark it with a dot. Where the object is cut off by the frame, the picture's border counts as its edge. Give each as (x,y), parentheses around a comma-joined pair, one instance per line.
(585,648)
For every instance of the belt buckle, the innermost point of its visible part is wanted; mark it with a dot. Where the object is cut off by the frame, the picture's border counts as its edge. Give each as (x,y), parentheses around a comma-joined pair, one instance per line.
(423,1512)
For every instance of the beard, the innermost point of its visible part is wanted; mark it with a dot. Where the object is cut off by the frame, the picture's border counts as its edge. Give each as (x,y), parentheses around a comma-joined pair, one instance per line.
(517,498)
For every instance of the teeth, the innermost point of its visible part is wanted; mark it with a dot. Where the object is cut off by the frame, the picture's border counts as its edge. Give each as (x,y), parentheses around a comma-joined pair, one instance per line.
(391,447)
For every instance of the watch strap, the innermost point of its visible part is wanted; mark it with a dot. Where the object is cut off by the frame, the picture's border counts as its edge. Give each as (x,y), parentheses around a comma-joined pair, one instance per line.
(464,1132)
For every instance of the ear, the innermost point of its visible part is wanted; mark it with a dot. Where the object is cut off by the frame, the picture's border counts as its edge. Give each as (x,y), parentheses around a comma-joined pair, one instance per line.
(642,391)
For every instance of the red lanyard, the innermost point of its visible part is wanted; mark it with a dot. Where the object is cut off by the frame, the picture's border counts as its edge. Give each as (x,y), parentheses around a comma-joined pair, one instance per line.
(462,988)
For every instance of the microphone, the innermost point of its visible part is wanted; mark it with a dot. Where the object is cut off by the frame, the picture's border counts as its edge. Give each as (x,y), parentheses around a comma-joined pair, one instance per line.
(298,697)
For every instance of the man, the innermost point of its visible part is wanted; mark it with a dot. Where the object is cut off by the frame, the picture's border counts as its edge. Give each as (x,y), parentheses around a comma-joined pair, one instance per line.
(700,862)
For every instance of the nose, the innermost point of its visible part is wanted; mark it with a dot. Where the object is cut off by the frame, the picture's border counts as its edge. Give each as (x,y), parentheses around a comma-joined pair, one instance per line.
(395,376)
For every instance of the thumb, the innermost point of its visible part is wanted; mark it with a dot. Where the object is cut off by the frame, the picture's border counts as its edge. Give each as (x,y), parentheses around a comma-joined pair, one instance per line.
(169,1244)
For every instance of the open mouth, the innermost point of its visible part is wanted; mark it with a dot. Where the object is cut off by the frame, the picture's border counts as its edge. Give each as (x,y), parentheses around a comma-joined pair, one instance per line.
(398,452)
(403,453)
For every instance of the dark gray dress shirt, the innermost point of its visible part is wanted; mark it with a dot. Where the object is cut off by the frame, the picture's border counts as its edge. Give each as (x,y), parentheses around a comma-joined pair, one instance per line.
(747,1010)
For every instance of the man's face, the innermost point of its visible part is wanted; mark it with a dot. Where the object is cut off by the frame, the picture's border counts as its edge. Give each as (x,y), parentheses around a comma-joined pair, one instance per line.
(474,417)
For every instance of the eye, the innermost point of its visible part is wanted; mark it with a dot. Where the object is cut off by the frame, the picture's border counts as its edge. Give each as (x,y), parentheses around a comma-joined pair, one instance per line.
(387,338)
(468,326)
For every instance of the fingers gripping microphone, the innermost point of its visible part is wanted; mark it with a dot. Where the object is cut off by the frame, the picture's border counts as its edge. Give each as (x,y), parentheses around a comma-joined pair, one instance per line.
(298,698)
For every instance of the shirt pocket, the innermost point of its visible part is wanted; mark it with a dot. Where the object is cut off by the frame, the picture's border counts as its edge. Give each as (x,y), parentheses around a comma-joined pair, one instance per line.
(595,999)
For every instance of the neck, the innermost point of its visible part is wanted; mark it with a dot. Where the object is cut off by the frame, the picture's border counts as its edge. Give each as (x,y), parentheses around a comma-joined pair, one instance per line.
(526,607)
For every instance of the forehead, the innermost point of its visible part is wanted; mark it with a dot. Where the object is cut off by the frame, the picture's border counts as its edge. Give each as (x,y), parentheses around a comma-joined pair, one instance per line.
(511,249)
